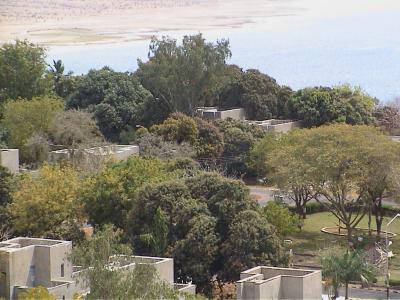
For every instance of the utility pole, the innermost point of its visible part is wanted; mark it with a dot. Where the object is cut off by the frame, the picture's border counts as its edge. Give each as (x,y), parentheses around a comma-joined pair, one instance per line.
(387,255)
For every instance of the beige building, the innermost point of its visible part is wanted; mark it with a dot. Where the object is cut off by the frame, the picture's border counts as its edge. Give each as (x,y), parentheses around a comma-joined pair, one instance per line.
(274,125)
(102,153)
(9,158)
(31,262)
(213,113)
(279,283)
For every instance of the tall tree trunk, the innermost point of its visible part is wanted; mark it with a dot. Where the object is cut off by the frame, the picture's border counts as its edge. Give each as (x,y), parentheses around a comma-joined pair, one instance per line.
(378,216)
(369,219)
(349,235)
(346,295)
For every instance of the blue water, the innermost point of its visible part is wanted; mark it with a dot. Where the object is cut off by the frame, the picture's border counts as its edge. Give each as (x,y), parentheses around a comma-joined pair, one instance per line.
(362,50)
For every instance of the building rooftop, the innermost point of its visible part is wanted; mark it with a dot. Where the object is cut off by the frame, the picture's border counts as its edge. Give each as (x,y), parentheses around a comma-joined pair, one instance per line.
(22,242)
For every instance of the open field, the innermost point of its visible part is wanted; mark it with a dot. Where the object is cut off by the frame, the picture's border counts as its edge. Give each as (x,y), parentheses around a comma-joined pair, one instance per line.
(311,240)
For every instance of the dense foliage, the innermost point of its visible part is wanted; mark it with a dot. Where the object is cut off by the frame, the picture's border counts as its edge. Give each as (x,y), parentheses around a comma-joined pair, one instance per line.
(181,76)
(260,95)
(116,100)
(22,71)
(342,104)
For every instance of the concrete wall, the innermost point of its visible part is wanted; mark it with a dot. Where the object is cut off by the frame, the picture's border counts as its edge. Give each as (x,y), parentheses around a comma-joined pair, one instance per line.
(213,114)
(279,126)
(279,283)
(9,158)
(165,270)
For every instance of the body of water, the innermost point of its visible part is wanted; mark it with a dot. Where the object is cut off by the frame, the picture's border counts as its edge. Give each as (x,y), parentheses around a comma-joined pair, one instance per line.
(358,48)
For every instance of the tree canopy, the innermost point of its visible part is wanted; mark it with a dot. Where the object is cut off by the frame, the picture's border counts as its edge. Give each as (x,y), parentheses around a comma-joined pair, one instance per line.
(259,94)
(115,99)
(23,118)
(341,104)
(181,76)
(46,205)
(22,71)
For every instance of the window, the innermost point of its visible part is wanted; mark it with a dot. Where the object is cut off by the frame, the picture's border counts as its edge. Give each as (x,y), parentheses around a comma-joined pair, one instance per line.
(62,270)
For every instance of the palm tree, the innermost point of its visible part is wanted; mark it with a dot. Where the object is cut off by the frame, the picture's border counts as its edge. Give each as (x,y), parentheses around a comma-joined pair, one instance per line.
(342,266)
(57,69)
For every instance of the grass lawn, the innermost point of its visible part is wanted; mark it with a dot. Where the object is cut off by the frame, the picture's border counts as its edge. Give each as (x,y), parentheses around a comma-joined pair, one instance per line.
(311,240)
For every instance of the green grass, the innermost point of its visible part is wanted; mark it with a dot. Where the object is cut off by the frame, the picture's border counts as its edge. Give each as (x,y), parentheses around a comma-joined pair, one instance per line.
(311,240)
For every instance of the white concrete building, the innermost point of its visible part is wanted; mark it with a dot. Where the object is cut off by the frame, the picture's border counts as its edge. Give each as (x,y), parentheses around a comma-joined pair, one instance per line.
(279,283)
(30,262)
(9,158)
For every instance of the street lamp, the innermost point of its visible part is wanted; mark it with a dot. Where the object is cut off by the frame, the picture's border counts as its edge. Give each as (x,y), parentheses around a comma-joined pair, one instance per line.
(387,255)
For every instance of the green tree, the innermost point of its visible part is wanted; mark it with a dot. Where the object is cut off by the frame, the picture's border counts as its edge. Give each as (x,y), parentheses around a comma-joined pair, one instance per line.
(24,118)
(7,185)
(22,70)
(109,195)
(106,248)
(260,95)
(43,204)
(250,243)
(210,141)
(343,266)
(281,218)
(180,76)
(339,163)
(199,213)
(116,100)
(286,169)
(342,104)
(179,128)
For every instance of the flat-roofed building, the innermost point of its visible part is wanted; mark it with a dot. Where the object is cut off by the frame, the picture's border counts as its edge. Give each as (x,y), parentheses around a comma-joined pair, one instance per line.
(30,262)
(9,158)
(275,125)
(279,283)
(103,153)
(213,113)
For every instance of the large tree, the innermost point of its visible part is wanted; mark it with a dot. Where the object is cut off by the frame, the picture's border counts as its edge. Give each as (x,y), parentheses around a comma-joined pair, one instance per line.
(45,205)
(324,105)
(115,99)
(106,248)
(339,164)
(203,216)
(24,118)
(260,95)
(109,195)
(22,70)
(181,76)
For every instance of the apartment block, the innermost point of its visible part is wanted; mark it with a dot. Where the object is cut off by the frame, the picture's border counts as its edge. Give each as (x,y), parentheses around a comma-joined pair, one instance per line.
(30,262)
(279,283)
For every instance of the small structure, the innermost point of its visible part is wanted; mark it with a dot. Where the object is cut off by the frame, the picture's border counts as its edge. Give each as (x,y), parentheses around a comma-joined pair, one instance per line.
(116,152)
(213,113)
(29,262)
(275,125)
(9,158)
(279,283)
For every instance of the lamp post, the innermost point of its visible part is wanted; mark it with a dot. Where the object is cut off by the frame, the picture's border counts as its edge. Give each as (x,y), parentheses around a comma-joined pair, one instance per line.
(387,254)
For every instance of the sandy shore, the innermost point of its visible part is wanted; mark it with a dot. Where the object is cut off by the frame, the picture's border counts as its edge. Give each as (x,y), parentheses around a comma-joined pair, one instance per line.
(65,22)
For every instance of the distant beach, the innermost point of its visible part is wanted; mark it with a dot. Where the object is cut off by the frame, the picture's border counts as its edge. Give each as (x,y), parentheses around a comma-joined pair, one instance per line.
(298,42)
